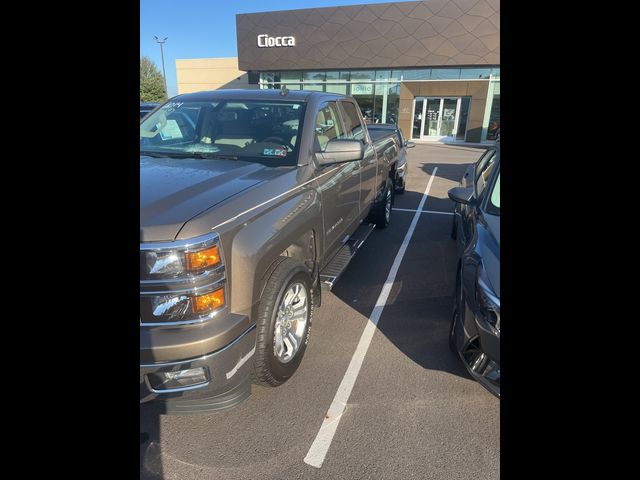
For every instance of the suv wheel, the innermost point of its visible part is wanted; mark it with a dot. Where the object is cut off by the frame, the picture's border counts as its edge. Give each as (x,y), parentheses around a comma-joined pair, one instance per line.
(283,324)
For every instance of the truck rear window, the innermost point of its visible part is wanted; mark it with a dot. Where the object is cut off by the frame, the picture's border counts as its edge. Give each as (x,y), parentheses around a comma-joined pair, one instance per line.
(251,130)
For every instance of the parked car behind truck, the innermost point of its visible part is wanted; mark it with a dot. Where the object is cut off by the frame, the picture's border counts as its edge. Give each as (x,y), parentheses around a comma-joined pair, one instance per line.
(250,202)
(400,175)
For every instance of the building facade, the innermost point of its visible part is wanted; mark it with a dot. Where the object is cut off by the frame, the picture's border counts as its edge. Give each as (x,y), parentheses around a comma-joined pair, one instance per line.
(432,67)
(198,74)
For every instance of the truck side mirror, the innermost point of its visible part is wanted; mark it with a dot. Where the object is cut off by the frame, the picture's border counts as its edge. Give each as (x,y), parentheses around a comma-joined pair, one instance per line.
(340,151)
(409,144)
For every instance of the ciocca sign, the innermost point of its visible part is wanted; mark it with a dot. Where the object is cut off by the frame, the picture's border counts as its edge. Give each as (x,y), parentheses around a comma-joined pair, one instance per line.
(265,41)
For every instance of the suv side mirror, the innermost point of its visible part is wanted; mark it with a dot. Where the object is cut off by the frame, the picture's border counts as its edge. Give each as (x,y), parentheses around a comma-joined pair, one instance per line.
(409,144)
(340,151)
(462,195)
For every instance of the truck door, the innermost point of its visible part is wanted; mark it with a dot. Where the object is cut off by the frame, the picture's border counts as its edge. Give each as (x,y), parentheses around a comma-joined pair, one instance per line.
(354,126)
(339,184)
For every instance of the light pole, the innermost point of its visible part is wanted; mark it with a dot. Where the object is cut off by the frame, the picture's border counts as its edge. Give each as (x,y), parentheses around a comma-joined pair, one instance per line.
(164,76)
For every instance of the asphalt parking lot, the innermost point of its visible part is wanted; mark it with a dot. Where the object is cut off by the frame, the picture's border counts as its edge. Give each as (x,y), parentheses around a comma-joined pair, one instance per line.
(413,412)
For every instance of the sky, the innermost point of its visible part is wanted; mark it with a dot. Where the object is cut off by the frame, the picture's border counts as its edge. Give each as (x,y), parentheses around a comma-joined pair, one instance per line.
(205,28)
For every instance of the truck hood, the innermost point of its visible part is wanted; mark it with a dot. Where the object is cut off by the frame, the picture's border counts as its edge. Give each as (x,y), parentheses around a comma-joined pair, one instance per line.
(172,191)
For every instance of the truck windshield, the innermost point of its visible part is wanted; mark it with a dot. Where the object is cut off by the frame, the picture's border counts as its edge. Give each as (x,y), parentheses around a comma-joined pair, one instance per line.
(251,130)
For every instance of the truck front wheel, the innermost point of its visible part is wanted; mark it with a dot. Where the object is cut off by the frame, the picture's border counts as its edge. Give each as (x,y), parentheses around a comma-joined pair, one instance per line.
(283,324)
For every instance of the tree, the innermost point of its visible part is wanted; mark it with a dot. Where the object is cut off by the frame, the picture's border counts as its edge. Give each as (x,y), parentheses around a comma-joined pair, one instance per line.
(151,82)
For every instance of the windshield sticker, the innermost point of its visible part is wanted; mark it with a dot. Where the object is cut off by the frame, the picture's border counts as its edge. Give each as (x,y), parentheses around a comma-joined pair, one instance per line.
(277,152)
(174,104)
(171,131)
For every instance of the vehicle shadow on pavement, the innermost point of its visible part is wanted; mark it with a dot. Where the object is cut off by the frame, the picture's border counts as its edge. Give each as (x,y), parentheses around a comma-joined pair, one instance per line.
(448,171)
(150,452)
(417,313)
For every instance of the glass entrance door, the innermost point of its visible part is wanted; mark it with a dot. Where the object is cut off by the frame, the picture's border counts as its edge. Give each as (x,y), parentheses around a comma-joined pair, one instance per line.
(432,118)
(437,118)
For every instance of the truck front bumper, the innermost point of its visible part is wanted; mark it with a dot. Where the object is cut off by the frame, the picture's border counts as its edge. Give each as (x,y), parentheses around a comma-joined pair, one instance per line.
(226,381)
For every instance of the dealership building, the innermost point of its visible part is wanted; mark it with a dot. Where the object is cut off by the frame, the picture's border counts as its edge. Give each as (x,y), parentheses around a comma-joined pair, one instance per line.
(432,67)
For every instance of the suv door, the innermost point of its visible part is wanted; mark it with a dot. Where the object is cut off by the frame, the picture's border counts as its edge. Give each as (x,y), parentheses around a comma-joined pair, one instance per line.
(354,125)
(338,184)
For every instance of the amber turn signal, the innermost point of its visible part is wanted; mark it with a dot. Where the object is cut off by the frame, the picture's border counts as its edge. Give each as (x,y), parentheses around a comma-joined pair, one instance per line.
(202,259)
(208,302)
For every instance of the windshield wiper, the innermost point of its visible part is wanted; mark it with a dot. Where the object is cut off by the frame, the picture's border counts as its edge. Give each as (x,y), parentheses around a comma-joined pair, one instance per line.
(200,155)
(207,155)
(153,154)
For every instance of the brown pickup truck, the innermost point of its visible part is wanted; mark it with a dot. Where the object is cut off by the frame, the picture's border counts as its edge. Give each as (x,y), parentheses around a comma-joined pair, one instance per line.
(251,202)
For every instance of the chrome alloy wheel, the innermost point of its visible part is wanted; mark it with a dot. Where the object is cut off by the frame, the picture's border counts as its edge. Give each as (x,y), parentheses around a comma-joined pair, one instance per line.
(387,206)
(291,323)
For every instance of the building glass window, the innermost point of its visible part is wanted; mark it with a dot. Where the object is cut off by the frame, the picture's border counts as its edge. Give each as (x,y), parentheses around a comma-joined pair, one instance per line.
(363,93)
(396,75)
(290,76)
(341,89)
(337,76)
(417,74)
(383,75)
(393,103)
(492,123)
(475,73)
(463,117)
(445,74)
(379,103)
(292,86)
(314,76)
(267,77)
(358,75)
(313,87)
(494,118)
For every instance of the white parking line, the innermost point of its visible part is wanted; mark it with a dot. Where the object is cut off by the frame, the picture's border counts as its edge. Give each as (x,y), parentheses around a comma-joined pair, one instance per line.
(320,446)
(423,211)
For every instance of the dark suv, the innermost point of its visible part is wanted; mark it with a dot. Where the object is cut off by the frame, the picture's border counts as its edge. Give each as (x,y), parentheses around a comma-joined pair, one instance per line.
(475,323)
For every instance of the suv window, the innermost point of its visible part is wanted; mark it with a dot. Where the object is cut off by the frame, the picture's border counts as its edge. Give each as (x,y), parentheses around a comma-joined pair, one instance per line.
(352,121)
(495,194)
(328,126)
(484,173)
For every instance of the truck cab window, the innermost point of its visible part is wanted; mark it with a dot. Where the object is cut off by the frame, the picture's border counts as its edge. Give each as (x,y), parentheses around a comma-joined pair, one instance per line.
(328,126)
(352,122)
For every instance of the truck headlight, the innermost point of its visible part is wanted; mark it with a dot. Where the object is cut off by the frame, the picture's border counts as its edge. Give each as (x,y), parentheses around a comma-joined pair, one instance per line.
(171,263)
(159,309)
(182,281)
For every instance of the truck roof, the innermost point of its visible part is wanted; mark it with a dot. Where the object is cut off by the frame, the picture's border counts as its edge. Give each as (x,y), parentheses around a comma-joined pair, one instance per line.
(246,94)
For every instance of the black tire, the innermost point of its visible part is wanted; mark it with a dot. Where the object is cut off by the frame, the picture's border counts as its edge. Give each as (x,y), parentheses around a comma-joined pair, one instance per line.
(379,213)
(268,370)
(400,190)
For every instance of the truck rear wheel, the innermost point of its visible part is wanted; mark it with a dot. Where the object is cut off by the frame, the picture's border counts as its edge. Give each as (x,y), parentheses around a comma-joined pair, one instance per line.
(283,324)
(381,210)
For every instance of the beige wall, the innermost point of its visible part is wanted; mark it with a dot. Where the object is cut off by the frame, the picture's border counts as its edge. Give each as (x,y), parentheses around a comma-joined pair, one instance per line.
(477,89)
(210,74)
